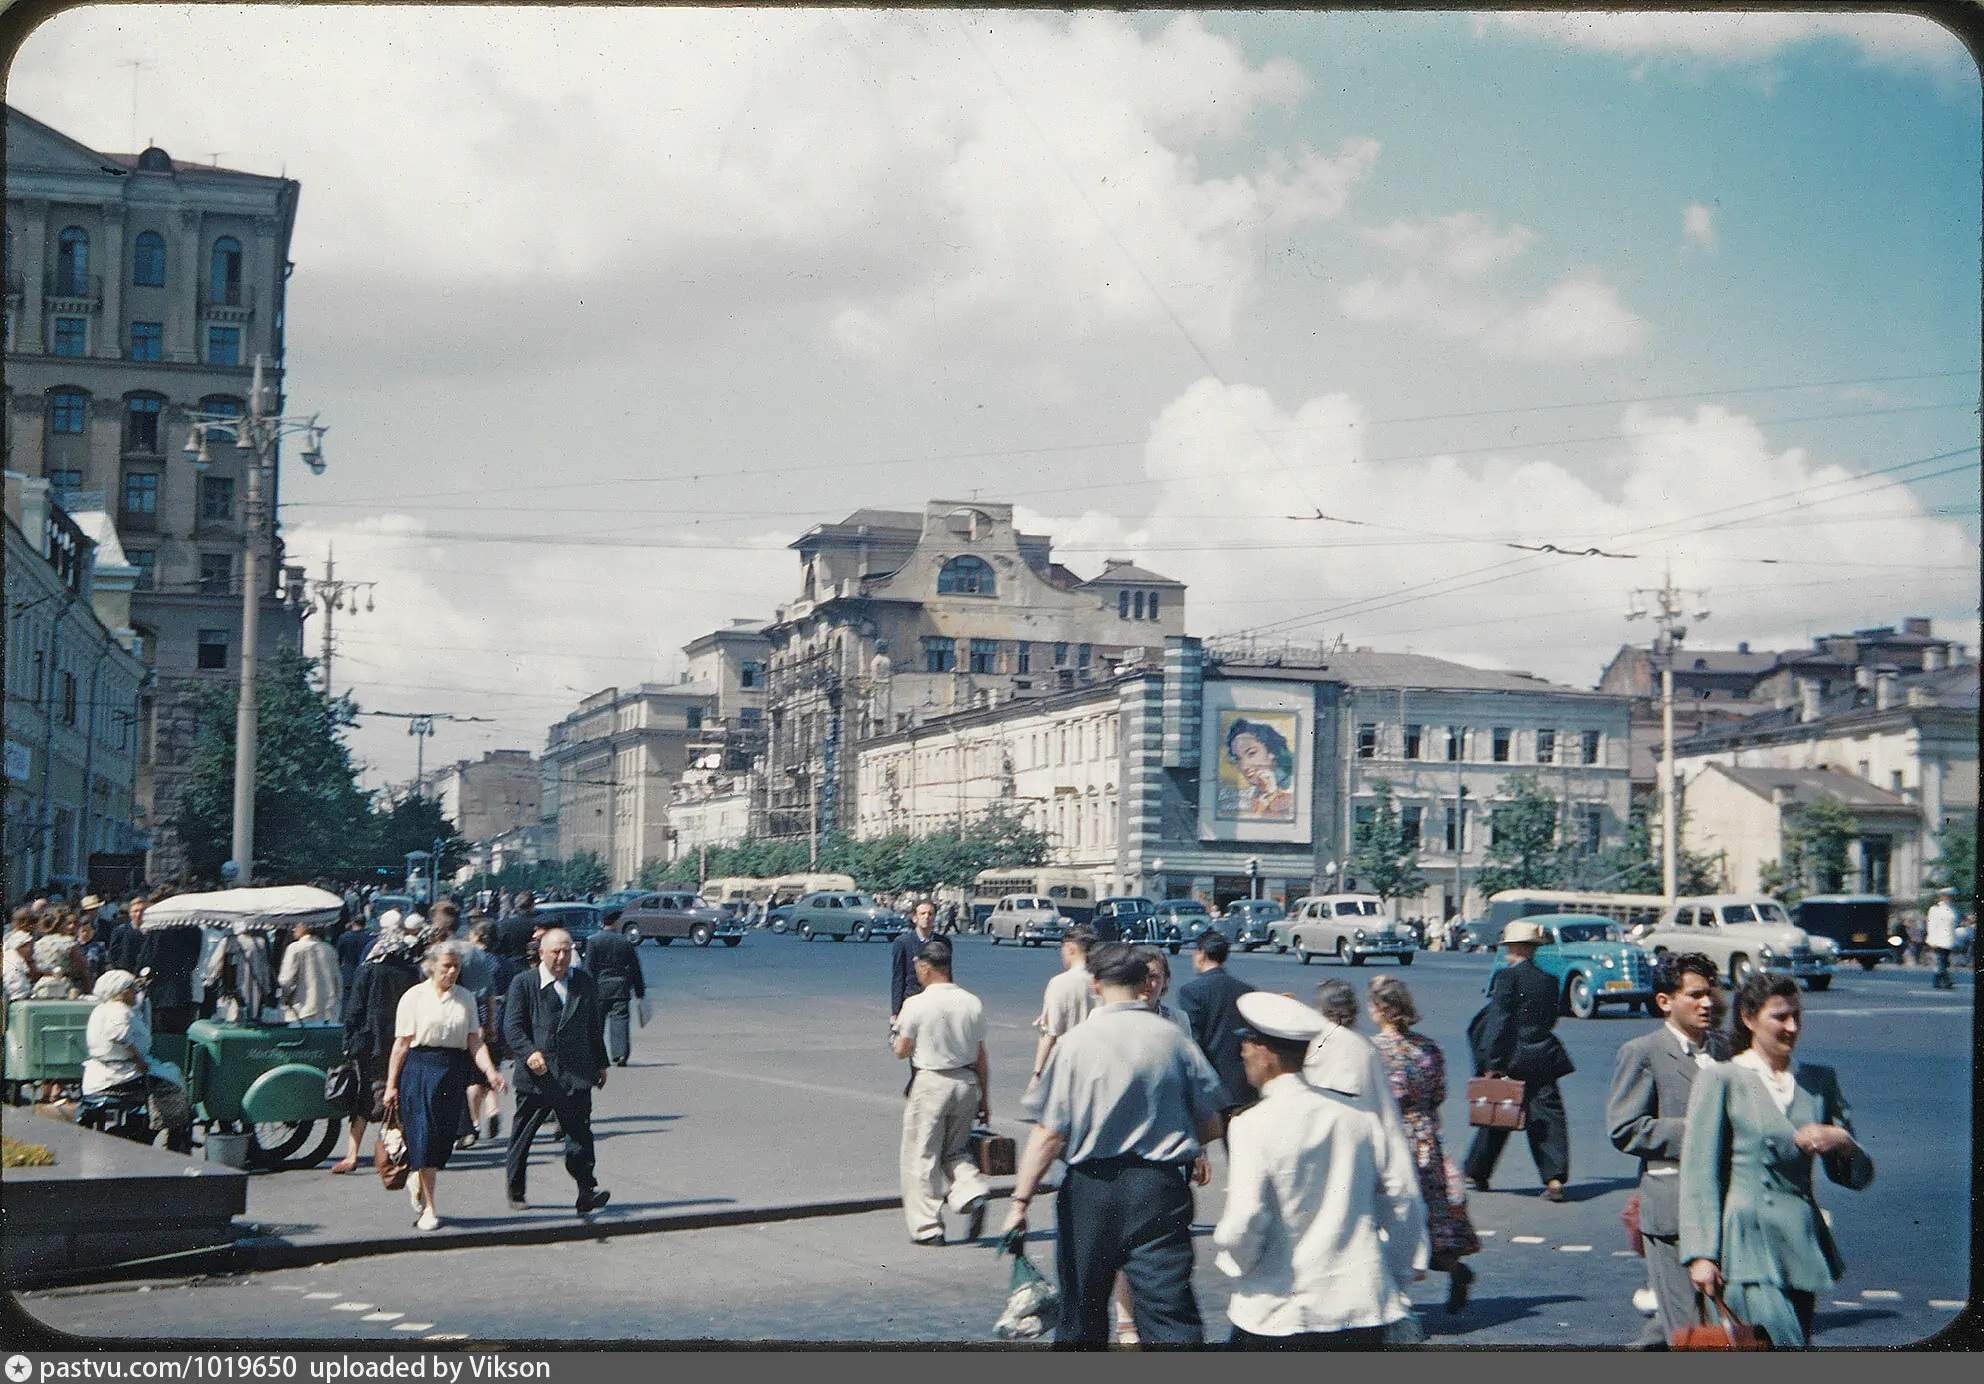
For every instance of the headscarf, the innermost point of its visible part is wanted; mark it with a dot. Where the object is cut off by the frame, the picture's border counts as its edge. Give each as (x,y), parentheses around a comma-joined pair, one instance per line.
(399,937)
(51,953)
(16,940)
(1337,1062)
(113,983)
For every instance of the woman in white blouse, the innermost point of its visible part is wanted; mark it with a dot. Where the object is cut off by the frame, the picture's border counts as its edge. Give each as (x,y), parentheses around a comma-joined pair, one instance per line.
(119,1039)
(436,1037)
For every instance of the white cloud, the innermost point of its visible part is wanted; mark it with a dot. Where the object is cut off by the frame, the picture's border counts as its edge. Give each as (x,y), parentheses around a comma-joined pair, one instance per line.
(1893,40)
(1463,245)
(1698,225)
(1579,318)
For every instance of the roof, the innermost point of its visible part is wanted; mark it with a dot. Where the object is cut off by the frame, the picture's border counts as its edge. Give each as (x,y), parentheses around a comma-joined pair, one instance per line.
(1810,785)
(1422,671)
(1116,571)
(883,519)
(183,166)
(1948,688)
(1725,661)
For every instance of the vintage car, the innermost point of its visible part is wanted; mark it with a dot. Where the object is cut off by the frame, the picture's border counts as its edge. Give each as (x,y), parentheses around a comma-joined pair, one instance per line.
(1593,963)
(1028,919)
(1742,934)
(1180,921)
(672,913)
(1858,925)
(1249,923)
(840,915)
(1125,918)
(582,920)
(1350,927)
(788,892)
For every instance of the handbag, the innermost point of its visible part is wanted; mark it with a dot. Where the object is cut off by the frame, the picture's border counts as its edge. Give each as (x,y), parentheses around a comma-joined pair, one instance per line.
(1495,1102)
(994,1153)
(166,1104)
(389,1155)
(343,1091)
(1635,1241)
(1732,1333)
(1031,1300)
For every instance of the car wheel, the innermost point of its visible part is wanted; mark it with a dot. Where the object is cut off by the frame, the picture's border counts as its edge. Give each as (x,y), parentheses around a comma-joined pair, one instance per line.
(1405,959)
(995,939)
(1342,953)
(1818,983)
(778,925)
(1301,953)
(1740,970)
(1175,946)
(701,933)
(732,941)
(631,932)
(1580,997)
(861,932)
(1867,963)
(806,931)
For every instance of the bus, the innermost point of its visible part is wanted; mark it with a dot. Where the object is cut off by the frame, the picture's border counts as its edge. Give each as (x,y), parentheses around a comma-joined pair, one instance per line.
(1073,891)
(1627,910)
(739,895)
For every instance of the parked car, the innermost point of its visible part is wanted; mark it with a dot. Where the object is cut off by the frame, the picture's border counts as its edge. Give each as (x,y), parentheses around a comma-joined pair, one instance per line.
(1742,934)
(1858,925)
(618,899)
(1350,927)
(1249,923)
(582,920)
(1126,918)
(1593,963)
(669,914)
(1180,921)
(788,892)
(383,904)
(841,915)
(1027,919)
(1479,934)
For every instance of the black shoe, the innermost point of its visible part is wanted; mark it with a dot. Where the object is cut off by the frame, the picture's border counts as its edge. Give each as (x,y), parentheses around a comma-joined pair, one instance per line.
(976,1225)
(1477,1184)
(1553,1191)
(519,1204)
(1460,1279)
(590,1202)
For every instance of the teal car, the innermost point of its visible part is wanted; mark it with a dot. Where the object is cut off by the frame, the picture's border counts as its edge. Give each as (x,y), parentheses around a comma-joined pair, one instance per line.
(1593,964)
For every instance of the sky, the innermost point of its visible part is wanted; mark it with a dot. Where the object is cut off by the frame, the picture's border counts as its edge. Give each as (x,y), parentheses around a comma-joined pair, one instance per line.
(606,307)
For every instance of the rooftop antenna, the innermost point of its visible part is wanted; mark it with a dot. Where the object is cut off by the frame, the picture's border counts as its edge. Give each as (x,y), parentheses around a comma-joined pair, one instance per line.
(136,65)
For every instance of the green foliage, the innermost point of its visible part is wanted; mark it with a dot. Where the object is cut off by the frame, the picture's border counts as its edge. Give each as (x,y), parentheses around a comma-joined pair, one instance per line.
(1955,865)
(1633,865)
(889,864)
(1522,853)
(1382,858)
(1816,838)
(415,823)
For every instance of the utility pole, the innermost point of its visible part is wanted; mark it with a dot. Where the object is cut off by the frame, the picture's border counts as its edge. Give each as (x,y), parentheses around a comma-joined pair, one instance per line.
(420,725)
(1666,612)
(330,594)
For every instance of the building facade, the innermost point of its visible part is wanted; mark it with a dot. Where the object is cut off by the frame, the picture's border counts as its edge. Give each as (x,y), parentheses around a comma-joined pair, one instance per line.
(1744,816)
(906,617)
(488,797)
(139,290)
(75,688)
(610,768)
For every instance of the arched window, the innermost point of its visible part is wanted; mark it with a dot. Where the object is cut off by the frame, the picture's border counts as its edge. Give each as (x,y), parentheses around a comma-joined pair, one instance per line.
(1139,605)
(67,409)
(967,576)
(148,260)
(224,275)
(72,261)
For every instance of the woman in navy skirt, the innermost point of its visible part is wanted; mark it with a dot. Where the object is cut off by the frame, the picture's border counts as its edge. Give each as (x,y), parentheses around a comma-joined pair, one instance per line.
(437,1043)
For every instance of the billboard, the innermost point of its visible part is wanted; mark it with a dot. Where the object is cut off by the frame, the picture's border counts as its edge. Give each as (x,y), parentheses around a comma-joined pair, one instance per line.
(1256,762)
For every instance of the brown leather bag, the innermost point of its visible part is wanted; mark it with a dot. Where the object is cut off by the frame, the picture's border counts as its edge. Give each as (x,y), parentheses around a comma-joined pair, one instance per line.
(1635,1240)
(1495,1102)
(389,1155)
(994,1153)
(1731,1333)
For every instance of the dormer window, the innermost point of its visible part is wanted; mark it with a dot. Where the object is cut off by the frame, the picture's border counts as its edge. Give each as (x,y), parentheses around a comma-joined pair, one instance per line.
(967,576)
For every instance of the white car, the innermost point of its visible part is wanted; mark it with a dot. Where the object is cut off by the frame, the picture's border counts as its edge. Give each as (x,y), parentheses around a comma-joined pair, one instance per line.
(1350,927)
(1027,919)
(1743,934)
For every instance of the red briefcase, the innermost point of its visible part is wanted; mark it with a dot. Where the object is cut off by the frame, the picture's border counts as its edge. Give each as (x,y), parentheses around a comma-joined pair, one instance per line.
(1495,1102)
(994,1153)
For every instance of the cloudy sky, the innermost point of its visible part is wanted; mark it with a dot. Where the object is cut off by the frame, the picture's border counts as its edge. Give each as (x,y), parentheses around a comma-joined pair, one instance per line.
(607,306)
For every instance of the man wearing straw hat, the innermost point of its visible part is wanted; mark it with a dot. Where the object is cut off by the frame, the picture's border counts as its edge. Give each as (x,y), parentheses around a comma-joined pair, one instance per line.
(1512,1036)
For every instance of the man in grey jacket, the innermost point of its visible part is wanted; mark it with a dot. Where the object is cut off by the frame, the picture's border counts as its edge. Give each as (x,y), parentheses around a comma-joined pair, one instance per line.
(1646,1113)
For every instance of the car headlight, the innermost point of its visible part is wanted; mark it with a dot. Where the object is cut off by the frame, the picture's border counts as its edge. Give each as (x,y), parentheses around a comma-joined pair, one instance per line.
(1894,941)
(1606,962)
(1359,934)
(1765,953)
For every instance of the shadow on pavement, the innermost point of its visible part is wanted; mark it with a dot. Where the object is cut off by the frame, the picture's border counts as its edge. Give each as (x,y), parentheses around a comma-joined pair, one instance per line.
(559,1211)
(1489,1311)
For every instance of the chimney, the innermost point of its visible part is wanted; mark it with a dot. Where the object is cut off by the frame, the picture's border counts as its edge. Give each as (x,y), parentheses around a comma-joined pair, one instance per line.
(1932,659)
(1742,646)
(1885,682)
(1808,701)
(1916,624)
(1863,677)
(1780,796)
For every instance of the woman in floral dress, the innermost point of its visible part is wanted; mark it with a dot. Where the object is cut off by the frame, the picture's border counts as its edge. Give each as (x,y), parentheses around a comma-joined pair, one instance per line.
(1418,1074)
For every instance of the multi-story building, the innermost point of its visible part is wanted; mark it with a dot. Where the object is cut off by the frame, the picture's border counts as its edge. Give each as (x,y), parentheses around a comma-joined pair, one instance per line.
(487,797)
(74,689)
(140,289)
(610,767)
(904,617)
(712,802)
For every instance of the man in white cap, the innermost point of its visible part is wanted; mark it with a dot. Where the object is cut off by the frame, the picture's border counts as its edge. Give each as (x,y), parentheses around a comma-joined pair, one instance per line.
(1939,934)
(1324,1227)
(1512,1036)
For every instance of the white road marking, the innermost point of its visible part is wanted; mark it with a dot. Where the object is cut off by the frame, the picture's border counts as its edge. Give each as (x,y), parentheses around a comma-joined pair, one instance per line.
(353,1307)
(1948,1304)
(1894,1013)
(1484,1232)
(1880,1294)
(283,1288)
(1624,1254)
(1526,1239)
(1836,1302)
(447,1336)
(321,1297)
(731,1073)
(1574,1249)
(382,1316)
(414,1326)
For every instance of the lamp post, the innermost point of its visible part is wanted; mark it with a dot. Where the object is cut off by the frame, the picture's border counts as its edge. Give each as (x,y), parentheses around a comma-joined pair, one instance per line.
(1157,873)
(1253,876)
(257,432)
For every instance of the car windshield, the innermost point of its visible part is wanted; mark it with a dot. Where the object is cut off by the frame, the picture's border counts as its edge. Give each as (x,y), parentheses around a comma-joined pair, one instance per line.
(1185,906)
(1753,913)
(1587,932)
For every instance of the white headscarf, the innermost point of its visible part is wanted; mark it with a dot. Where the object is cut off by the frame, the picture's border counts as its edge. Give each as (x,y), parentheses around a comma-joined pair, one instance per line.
(113,983)
(17,939)
(1337,1061)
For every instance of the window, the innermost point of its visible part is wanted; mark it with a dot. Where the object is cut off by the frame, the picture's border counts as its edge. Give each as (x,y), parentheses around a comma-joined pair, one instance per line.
(68,698)
(1546,747)
(692,717)
(60,481)
(940,655)
(1593,744)
(212,653)
(1152,607)
(141,494)
(1023,657)
(1082,654)
(1413,735)
(65,411)
(1503,735)
(1594,829)
(751,675)
(223,345)
(1412,822)
(1897,784)
(148,260)
(967,576)
(984,655)
(147,565)
(1123,605)
(1367,740)
(222,404)
(1456,744)
(72,261)
(224,276)
(1456,828)
(216,573)
(750,716)
(147,340)
(141,416)
(216,497)
(1363,816)
(71,336)
(1140,605)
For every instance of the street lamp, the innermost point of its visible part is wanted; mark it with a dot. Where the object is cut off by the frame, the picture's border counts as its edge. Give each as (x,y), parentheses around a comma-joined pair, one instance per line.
(1157,873)
(257,432)
(1253,876)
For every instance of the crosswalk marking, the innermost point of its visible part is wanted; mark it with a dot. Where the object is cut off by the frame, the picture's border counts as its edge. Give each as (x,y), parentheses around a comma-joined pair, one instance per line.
(414,1326)
(321,1297)
(1526,1239)
(1948,1304)
(382,1316)
(1574,1249)
(1624,1254)
(1881,1294)
(353,1307)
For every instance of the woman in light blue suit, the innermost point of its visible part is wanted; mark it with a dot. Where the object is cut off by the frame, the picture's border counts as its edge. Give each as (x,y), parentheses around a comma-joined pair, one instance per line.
(1750,1225)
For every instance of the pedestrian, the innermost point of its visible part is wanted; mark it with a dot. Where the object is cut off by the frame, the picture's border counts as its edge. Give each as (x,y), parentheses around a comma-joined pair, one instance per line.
(1323,1227)
(940,1030)
(485,1109)
(1752,1232)
(437,1042)
(615,964)
(1210,1002)
(124,937)
(118,1043)
(1345,1062)
(95,951)
(308,982)
(479,980)
(1939,933)
(371,1019)
(1647,1114)
(1514,1036)
(58,968)
(1417,1073)
(172,954)
(1069,996)
(556,1032)
(1130,1102)
(513,934)
(902,957)
(352,944)
(19,970)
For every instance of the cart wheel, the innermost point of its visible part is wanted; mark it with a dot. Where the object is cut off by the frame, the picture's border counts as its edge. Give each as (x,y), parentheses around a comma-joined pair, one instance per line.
(280,1145)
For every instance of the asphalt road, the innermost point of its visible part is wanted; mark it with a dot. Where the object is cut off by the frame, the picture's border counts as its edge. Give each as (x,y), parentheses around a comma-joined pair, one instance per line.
(769,1044)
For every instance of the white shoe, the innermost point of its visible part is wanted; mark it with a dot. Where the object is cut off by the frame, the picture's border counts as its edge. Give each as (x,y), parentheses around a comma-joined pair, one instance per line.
(428,1221)
(1644,1299)
(413,1192)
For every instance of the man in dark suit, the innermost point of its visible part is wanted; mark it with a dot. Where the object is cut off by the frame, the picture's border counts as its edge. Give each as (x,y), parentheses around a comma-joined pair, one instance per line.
(902,956)
(1646,1113)
(615,962)
(513,932)
(1210,1002)
(1512,1036)
(556,1030)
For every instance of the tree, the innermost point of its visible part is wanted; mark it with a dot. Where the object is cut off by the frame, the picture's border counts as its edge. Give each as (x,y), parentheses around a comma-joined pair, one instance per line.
(414,823)
(1824,830)
(1383,857)
(1955,865)
(1522,847)
(1633,866)
(310,817)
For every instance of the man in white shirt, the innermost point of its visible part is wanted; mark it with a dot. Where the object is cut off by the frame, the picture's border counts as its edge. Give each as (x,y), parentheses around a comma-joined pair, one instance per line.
(941,1031)
(311,988)
(1323,1226)
(1939,935)
(1069,997)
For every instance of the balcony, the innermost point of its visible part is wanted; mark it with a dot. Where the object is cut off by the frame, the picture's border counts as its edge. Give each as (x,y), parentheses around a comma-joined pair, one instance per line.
(227,302)
(63,291)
